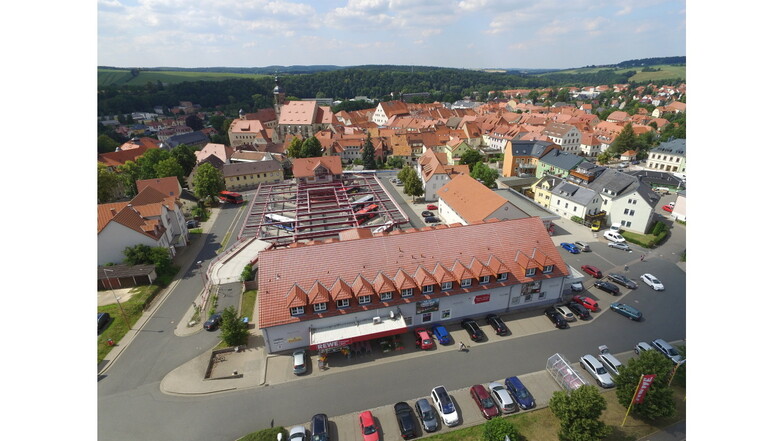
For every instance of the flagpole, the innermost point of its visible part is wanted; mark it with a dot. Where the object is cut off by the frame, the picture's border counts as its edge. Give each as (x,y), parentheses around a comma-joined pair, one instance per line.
(639,383)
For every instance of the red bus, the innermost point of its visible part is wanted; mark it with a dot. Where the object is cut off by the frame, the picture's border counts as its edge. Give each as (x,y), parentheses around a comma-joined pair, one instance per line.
(367,213)
(230,197)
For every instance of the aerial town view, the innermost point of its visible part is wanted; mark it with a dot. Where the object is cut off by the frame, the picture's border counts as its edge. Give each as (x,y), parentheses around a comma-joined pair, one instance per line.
(381,220)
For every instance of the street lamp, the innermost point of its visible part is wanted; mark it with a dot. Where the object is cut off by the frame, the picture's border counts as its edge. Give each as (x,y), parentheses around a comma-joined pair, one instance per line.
(115,298)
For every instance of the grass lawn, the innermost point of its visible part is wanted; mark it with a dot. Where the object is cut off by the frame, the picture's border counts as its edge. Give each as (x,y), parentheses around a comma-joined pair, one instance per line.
(542,425)
(117,327)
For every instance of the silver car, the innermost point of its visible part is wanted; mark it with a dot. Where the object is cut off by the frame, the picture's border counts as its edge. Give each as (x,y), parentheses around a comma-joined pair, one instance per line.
(300,363)
(502,397)
(426,414)
(619,245)
(642,347)
(597,371)
(667,349)
(565,313)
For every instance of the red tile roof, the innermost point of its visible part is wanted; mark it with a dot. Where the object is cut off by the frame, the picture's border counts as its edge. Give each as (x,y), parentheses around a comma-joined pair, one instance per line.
(392,262)
(303,167)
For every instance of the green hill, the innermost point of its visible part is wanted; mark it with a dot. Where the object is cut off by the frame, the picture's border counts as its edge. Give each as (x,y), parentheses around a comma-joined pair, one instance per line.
(667,72)
(121,77)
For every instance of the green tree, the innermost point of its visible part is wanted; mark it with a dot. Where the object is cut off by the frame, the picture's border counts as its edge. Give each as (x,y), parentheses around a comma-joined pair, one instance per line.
(145,254)
(412,185)
(369,154)
(170,167)
(129,172)
(604,157)
(579,412)
(194,122)
(216,122)
(311,148)
(233,331)
(148,161)
(498,428)
(470,158)
(533,95)
(109,184)
(295,148)
(485,175)
(626,140)
(106,144)
(186,157)
(405,173)
(207,181)
(659,401)
(395,162)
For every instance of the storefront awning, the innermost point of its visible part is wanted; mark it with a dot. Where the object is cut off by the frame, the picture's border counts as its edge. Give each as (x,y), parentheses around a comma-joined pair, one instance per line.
(346,333)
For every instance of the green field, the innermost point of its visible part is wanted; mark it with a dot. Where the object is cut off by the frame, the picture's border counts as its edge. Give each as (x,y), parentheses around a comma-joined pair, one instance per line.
(667,72)
(115,77)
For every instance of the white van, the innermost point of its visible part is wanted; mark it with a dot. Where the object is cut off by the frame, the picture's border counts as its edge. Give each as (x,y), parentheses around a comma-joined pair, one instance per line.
(616,227)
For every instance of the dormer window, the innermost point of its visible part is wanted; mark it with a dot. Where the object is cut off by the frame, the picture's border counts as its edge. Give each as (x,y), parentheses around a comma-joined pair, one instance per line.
(530,272)
(503,276)
(548,269)
(343,303)
(465,283)
(446,286)
(385,296)
(296,310)
(407,292)
(320,307)
(484,279)
(363,300)
(427,289)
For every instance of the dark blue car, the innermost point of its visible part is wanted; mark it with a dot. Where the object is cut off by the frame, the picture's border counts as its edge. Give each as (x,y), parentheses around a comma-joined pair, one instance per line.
(440,333)
(570,247)
(520,393)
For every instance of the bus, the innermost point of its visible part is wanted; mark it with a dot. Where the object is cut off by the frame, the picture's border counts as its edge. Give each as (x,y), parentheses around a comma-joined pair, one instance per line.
(278,221)
(230,197)
(367,213)
(361,202)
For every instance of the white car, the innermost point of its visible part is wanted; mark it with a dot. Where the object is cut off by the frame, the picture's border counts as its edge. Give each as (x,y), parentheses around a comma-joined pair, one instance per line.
(652,281)
(298,433)
(597,371)
(444,406)
(565,313)
(502,397)
(641,347)
(613,236)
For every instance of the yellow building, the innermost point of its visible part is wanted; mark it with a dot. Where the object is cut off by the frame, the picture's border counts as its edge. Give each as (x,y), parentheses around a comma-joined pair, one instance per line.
(247,175)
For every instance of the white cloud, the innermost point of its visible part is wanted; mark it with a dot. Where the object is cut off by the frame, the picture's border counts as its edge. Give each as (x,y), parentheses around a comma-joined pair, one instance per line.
(627,9)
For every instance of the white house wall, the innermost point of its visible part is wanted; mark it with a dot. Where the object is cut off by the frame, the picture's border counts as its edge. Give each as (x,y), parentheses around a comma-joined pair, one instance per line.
(114,238)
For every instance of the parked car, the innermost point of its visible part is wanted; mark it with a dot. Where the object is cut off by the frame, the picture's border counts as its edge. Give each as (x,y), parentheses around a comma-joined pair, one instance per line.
(565,313)
(608,287)
(577,286)
(520,393)
(426,414)
(502,397)
(497,324)
(427,213)
(319,427)
(441,334)
(405,420)
(423,340)
(642,347)
(596,370)
(626,311)
(609,361)
(582,246)
(592,270)
(613,236)
(556,318)
(300,362)
(432,207)
(668,350)
(619,245)
(213,322)
(570,247)
(103,319)
(193,223)
(667,208)
(473,330)
(483,401)
(432,219)
(297,433)
(444,406)
(367,424)
(579,310)
(622,280)
(589,303)
(652,281)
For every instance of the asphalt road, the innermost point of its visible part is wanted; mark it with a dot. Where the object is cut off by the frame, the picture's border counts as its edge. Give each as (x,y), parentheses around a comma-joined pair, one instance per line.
(131,406)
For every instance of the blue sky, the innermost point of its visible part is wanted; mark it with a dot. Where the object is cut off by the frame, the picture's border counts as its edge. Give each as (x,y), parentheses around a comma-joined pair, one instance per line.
(446,33)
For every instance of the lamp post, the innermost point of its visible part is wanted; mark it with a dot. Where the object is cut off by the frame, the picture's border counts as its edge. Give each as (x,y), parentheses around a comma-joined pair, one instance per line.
(115,298)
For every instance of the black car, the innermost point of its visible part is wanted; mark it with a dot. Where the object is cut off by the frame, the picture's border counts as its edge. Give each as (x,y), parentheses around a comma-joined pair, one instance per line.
(556,318)
(427,214)
(193,223)
(103,319)
(579,310)
(319,428)
(405,420)
(473,330)
(213,322)
(622,280)
(608,287)
(431,219)
(497,324)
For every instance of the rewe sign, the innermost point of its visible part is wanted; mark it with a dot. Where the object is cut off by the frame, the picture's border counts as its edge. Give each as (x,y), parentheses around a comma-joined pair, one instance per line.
(645,384)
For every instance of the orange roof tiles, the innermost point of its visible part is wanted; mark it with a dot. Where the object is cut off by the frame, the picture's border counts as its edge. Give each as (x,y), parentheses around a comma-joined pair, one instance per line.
(470,199)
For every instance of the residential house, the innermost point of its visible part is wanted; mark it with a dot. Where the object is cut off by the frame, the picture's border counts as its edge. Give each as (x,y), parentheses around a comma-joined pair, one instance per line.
(543,189)
(372,286)
(522,157)
(557,163)
(564,135)
(434,172)
(241,176)
(465,200)
(317,170)
(668,156)
(590,146)
(618,116)
(387,109)
(169,186)
(303,118)
(625,200)
(220,151)
(455,149)
(569,199)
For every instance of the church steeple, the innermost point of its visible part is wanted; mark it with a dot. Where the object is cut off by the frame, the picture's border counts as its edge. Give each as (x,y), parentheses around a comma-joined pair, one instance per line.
(279,96)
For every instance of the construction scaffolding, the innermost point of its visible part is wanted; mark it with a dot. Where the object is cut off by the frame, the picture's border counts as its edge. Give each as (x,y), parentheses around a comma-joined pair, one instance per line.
(290,211)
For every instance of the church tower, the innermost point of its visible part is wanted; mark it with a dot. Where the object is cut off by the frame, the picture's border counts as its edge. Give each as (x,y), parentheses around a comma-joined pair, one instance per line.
(279,96)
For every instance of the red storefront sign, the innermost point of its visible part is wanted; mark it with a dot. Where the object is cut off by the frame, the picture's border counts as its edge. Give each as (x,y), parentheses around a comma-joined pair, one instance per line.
(482,298)
(645,384)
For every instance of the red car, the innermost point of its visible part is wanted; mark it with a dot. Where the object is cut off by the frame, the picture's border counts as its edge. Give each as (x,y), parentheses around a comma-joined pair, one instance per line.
(484,401)
(368,426)
(592,270)
(423,339)
(432,207)
(667,208)
(587,302)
